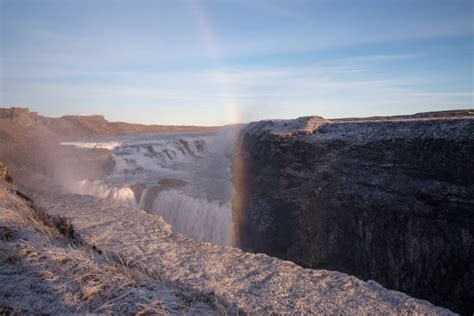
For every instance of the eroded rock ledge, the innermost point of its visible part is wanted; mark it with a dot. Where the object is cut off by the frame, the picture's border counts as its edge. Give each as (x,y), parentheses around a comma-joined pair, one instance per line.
(387,199)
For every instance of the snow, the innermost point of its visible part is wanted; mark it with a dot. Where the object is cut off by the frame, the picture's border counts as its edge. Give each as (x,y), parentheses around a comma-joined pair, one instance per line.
(252,283)
(301,125)
(42,272)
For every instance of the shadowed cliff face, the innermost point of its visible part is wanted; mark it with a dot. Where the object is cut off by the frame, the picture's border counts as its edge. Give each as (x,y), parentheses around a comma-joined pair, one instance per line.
(388,200)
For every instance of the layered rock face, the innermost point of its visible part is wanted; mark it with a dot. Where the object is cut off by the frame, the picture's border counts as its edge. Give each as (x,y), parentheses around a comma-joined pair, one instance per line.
(390,200)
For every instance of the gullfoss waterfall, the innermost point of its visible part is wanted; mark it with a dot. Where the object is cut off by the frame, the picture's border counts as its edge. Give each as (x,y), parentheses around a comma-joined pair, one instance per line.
(183,177)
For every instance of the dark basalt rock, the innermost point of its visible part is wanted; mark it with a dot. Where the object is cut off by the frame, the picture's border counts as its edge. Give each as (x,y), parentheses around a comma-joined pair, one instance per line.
(381,199)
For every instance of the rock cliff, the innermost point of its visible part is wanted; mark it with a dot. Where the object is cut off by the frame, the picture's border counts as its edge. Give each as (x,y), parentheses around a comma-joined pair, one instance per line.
(387,199)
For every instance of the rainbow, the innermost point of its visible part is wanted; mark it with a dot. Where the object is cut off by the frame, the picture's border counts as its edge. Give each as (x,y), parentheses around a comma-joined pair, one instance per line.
(238,162)
(211,42)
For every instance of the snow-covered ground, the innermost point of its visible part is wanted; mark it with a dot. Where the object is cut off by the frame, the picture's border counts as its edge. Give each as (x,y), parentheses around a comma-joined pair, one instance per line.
(43,271)
(252,283)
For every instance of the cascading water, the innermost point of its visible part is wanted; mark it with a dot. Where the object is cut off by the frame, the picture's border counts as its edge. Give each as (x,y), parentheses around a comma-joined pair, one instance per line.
(203,219)
(183,177)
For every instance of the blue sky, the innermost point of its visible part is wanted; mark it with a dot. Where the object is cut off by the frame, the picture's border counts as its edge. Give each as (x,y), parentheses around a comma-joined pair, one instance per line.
(217,62)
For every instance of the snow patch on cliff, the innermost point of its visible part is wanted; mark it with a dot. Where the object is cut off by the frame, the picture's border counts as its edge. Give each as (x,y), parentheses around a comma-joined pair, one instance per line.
(300,126)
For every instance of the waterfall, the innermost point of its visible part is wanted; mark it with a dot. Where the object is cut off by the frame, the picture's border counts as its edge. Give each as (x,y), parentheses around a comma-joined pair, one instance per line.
(198,218)
(100,189)
(183,177)
(157,156)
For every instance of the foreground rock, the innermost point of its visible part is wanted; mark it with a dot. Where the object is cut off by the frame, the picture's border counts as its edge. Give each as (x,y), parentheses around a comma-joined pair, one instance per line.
(237,281)
(387,199)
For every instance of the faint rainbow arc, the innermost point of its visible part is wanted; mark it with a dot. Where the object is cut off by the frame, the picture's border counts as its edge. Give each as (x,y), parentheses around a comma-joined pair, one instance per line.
(238,162)
(212,43)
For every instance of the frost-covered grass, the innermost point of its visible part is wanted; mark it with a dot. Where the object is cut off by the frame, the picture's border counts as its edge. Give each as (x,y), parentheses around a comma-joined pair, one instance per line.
(239,281)
(126,261)
(46,268)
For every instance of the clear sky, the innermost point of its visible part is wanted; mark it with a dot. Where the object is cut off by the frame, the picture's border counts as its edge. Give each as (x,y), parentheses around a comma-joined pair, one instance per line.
(217,62)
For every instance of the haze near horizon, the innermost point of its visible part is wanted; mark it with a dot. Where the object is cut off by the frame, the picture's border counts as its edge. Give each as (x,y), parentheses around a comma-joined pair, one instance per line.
(215,62)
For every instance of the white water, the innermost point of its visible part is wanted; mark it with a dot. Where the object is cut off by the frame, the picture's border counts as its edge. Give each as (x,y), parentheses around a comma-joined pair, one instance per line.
(198,206)
(98,188)
(200,218)
(104,145)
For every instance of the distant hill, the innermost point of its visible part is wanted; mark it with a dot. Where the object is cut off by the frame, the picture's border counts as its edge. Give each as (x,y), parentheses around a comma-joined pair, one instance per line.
(30,143)
(423,115)
(76,126)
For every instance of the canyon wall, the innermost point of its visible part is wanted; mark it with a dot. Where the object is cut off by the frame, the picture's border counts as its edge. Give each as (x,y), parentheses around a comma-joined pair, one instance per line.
(386,199)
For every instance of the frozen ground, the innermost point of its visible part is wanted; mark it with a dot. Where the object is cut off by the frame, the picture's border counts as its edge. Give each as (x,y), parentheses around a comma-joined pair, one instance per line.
(45,272)
(239,281)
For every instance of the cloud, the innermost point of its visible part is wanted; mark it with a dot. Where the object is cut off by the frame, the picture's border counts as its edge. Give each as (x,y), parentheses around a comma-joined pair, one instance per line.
(269,58)
(335,88)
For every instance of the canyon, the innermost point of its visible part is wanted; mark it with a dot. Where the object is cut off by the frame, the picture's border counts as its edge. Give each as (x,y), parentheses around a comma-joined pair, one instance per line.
(360,208)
